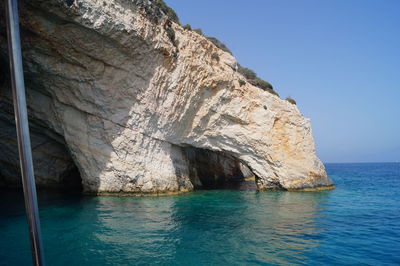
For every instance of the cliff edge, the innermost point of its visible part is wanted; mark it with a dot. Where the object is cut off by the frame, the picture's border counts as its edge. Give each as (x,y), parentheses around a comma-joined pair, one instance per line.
(141,105)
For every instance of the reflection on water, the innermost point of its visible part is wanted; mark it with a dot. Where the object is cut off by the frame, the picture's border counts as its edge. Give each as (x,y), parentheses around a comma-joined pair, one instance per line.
(246,226)
(201,228)
(355,224)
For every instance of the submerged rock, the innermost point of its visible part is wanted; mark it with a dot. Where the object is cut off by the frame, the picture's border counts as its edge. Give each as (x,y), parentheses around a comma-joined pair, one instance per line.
(130,94)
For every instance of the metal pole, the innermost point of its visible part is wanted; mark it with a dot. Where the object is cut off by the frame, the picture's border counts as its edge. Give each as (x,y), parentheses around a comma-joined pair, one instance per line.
(21,119)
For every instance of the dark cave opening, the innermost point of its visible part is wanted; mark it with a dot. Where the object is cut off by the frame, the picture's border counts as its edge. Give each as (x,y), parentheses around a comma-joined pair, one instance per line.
(4,72)
(217,170)
(72,181)
(66,179)
(69,2)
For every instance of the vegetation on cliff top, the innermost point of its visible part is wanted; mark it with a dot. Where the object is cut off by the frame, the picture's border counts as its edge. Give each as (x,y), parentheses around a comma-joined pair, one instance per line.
(252,78)
(169,12)
(289,99)
(249,74)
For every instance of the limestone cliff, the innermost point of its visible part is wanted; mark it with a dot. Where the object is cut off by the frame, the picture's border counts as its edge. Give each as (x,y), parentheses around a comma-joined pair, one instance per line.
(141,105)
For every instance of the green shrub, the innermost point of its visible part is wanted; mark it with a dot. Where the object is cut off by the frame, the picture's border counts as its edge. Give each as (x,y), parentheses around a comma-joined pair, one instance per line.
(199,31)
(171,35)
(252,78)
(272,92)
(265,85)
(169,12)
(241,82)
(187,27)
(219,44)
(214,40)
(215,56)
(291,100)
(247,72)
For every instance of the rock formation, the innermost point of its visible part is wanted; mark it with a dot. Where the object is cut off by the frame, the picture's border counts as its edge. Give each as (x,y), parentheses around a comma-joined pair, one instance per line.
(141,105)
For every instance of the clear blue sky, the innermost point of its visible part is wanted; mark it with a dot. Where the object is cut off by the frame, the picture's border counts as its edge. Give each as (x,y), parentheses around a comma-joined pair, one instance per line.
(340,60)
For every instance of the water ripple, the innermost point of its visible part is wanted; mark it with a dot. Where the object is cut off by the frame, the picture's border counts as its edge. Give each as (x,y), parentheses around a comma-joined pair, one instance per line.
(358,223)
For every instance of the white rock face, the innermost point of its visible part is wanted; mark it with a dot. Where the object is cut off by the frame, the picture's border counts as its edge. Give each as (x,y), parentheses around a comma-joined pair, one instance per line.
(129,91)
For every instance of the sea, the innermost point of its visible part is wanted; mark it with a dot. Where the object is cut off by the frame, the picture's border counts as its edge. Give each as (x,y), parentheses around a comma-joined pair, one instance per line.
(358,223)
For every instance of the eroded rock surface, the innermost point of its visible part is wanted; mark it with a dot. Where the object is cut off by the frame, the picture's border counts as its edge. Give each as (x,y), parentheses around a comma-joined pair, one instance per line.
(128,91)
(54,166)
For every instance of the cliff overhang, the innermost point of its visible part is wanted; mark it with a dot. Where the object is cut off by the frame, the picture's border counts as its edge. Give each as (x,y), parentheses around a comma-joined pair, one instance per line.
(139,104)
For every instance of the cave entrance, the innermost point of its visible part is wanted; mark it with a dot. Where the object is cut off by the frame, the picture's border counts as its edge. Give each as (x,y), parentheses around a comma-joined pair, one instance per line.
(217,170)
(54,167)
(72,181)
(4,72)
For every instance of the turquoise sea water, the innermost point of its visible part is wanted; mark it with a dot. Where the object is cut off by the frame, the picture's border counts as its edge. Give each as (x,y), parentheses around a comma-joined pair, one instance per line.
(357,223)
